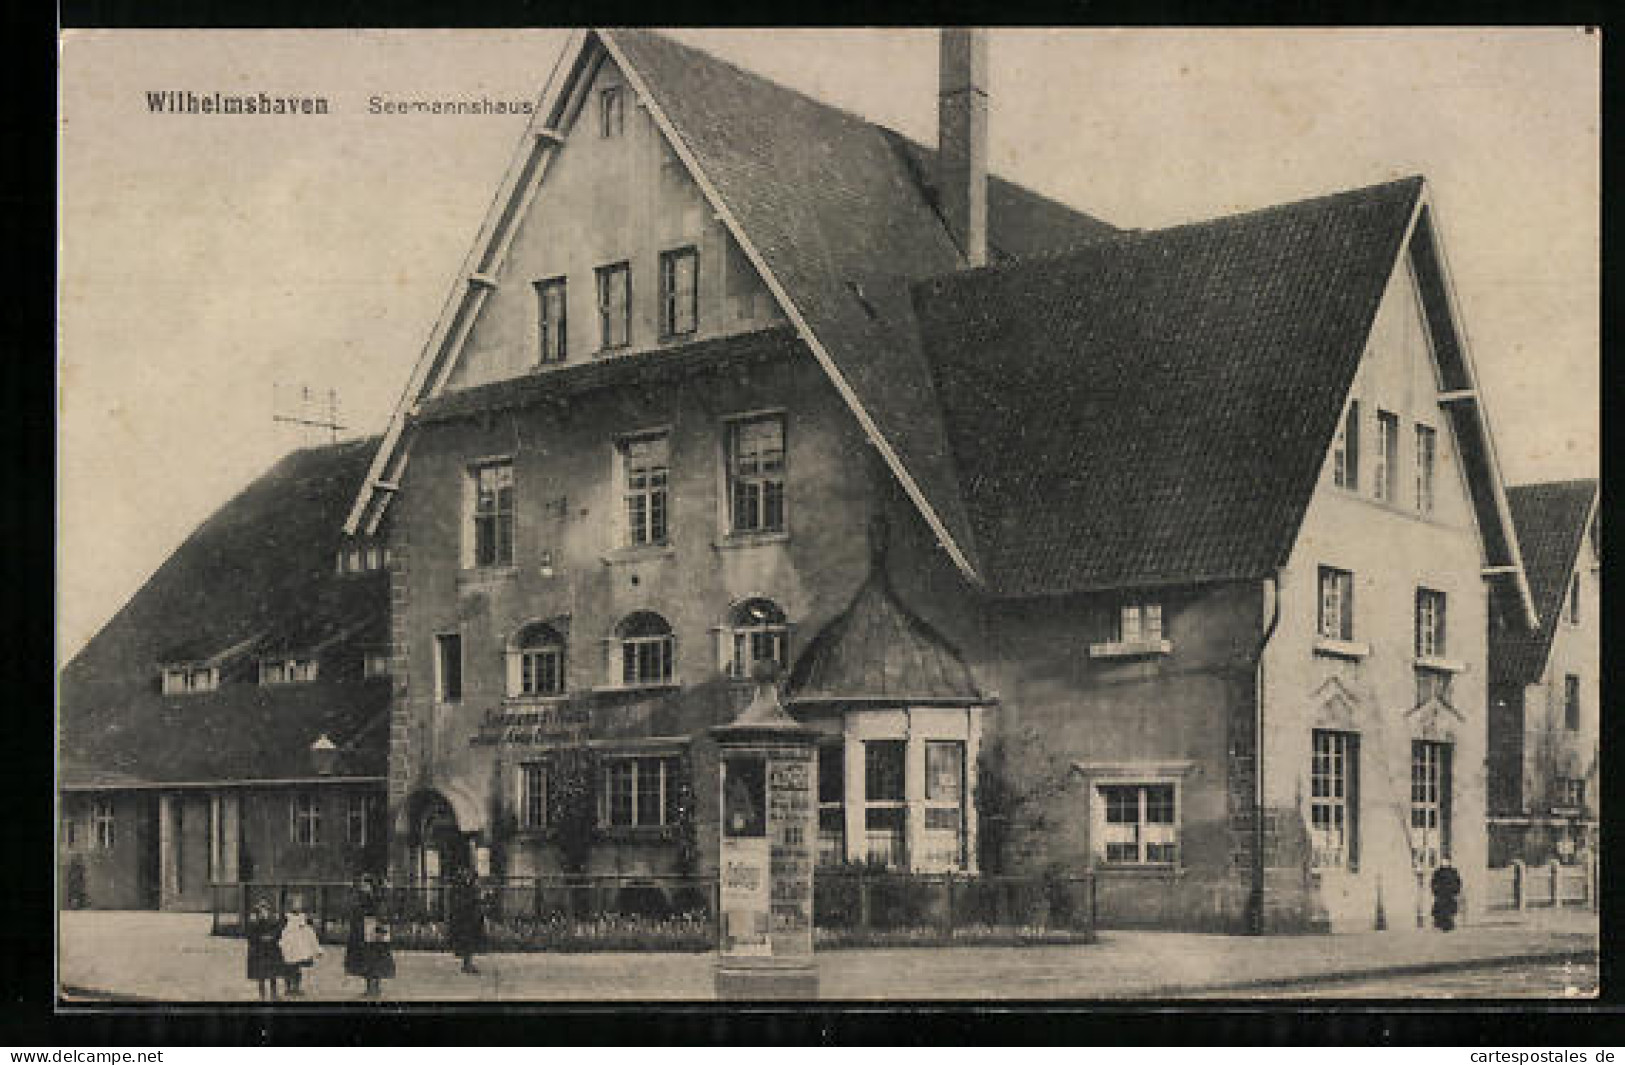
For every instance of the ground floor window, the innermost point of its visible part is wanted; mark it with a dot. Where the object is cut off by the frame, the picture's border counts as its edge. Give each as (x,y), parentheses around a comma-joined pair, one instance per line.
(70,832)
(533,795)
(943,835)
(1430,802)
(831,804)
(1140,824)
(102,821)
(359,811)
(305,818)
(885,812)
(1334,809)
(639,792)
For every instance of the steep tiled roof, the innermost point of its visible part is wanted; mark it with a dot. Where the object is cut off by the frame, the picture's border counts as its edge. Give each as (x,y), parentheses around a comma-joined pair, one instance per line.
(1155,408)
(1550,519)
(257,577)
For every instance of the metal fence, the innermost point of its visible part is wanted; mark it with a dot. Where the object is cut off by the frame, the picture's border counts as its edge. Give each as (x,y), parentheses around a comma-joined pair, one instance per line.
(676,913)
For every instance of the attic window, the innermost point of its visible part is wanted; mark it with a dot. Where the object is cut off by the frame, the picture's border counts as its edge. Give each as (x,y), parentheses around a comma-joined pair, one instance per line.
(190,680)
(611,112)
(275,671)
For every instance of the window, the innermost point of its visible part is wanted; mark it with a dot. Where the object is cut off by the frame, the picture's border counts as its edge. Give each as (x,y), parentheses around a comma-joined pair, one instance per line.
(1433,684)
(679,291)
(639,792)
(70,832)
(1429,623)
(1346,450)
(1139,622)
(943,838)
(757,632)
(305,819)
(1430,803)
(831,804)
(536,662)
(359,811)
(646,649)
(1334,808)
(644,461)
(375,664)
(533,795)
(756,475)
(551,328)
(611,112)
(493,514)
(1336,604)
(448,679)
(1384,477)
(614,305)
(1571,702)
(1574,599)
(884,808)
(1571,793)
(1139,826)
(190,680)
(1427,450)
(102,823)
(275,671)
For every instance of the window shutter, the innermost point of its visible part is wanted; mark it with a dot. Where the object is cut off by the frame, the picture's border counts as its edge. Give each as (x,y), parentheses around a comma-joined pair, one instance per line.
(1352,444)
(1351,770)
(1348,607)
(1440,647)
(1446,759)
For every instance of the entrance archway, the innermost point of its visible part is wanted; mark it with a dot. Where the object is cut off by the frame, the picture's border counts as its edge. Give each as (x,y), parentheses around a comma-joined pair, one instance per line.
(438,826)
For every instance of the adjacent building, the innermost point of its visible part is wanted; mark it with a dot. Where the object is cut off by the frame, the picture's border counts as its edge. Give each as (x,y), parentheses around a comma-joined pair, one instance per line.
(1545,693)
(1160,553)
(230,723)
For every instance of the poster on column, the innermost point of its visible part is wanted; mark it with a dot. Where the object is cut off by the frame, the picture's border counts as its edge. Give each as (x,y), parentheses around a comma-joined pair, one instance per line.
(745,888)
(790,829)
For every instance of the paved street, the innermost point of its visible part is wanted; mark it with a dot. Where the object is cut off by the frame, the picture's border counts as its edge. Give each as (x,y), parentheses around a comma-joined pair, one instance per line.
(172,957)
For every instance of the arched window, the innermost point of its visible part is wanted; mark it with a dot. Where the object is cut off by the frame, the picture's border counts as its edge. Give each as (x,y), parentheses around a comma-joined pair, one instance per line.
(757,631)
(536,662)
(647,649)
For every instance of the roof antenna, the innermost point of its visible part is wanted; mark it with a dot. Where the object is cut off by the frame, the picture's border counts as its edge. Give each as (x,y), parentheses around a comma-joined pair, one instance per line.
(301,406)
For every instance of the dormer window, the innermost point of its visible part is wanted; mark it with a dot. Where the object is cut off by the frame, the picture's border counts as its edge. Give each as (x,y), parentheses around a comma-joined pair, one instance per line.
(190,680)
(1574,599)
(1137,630)
(362,557)
(1346,449)
(275,671)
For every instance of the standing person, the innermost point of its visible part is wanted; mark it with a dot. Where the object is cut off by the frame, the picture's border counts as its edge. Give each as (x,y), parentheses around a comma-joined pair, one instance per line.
(465,925)
(367,952)
(300,948)
(265,965)
(1446,885)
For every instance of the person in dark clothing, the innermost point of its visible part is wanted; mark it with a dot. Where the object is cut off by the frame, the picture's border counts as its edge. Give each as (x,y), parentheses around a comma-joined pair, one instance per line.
(1446,885)
(465,926)
(264,933)
(367,952)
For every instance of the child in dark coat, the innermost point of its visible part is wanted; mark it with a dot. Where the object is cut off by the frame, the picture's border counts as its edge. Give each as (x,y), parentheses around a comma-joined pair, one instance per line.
(367,952)
(265,964)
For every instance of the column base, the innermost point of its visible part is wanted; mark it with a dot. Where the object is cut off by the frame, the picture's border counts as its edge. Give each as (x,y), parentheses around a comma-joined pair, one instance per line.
(765,979)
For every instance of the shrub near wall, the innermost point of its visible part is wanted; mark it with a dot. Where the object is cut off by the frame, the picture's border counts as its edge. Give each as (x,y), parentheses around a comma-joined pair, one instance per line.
(860,907)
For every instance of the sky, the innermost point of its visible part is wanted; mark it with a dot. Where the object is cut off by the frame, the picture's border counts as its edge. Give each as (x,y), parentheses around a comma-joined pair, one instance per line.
(211,267)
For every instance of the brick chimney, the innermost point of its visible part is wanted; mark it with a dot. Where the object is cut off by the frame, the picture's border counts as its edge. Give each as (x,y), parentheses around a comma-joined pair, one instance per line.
(962,140)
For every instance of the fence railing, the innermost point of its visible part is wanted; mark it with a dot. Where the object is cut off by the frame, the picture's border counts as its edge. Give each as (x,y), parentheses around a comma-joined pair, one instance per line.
(1526,887)
(850,908)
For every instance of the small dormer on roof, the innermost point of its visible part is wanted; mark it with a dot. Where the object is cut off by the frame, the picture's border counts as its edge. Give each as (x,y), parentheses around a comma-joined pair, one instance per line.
(878,652)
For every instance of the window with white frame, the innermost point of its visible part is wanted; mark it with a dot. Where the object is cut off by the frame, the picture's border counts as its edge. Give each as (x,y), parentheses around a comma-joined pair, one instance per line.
(639,792)
(190,680)
(533,795)
(375,663)
(1384,480)
(1140,622)
(679,292)
(551,325)
(611,111)
(614,305)
(491,515)
(1430,623)
(359,811)
(756,475)
(1430,802)
(1427,457)
(305,819)
(831,803)
(1139,823)
(275,671)
(103,824)
(70,832)
(1346,449)
(757,632)
(885,810)
(536,662)
(943,839)
(645,471)
(1336,616)
(647,649)
(1334,808)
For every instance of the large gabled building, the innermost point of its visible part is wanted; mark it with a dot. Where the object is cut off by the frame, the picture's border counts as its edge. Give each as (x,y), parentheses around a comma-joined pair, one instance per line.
(1545,684)
(1159,553)
(230,723)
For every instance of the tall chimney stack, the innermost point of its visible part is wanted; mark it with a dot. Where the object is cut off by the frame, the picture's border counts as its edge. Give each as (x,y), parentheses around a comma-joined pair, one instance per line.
(962,140)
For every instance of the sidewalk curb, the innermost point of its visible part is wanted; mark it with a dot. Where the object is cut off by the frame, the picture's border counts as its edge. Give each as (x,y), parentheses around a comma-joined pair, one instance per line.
(1209,990)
